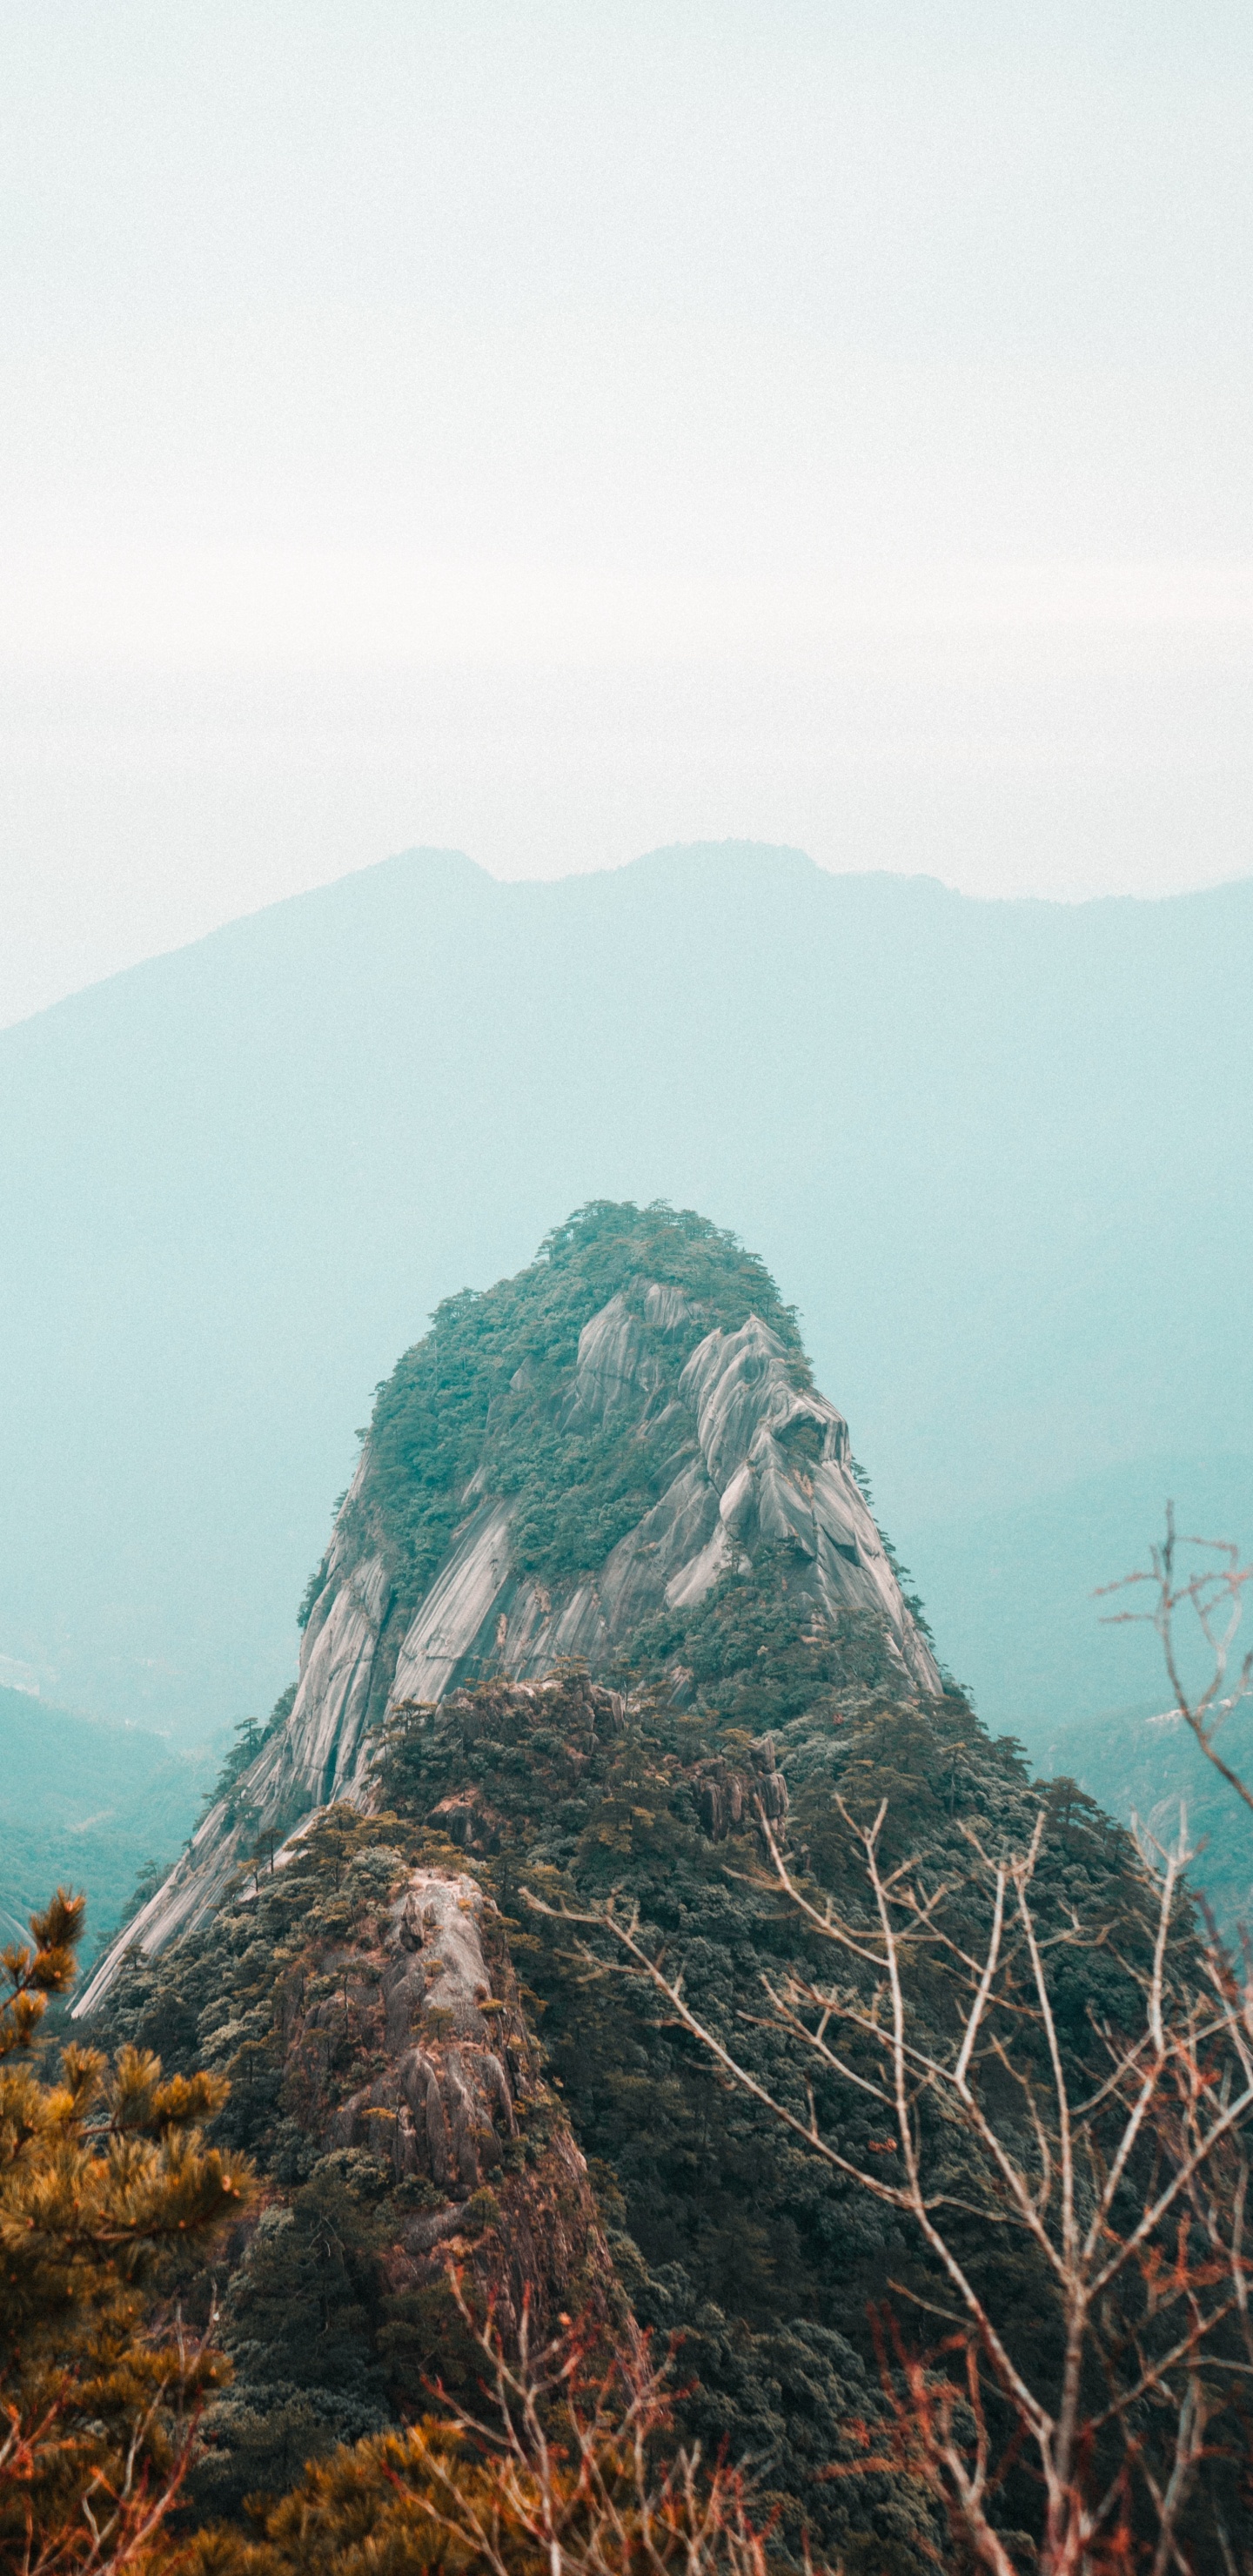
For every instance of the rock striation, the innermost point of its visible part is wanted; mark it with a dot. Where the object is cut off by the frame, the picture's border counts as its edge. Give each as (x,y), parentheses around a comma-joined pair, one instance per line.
(749,1477)
(452,2055)
(743,1457)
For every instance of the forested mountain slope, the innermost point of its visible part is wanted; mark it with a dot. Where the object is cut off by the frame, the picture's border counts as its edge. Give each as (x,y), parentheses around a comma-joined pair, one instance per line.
(604,1600)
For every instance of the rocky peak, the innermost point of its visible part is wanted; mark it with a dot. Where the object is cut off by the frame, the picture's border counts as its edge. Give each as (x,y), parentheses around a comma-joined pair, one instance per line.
(579,1467)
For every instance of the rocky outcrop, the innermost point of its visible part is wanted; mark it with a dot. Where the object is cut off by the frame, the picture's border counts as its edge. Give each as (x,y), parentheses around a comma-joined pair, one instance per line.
(320,1754)
(759,1462)
(728,1794)
(425,1995)
(752,1458)
(452,2046)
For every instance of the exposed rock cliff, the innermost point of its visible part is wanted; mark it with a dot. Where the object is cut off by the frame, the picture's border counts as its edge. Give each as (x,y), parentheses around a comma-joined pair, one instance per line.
(454,2078)
(363,2004)
(675,1418)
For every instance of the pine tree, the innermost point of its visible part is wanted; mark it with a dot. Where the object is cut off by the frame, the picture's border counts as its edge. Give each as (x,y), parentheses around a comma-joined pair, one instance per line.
(104,2178)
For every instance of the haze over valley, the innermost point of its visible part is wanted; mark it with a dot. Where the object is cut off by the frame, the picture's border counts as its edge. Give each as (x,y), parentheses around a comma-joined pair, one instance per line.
(626,1218)
(983,1145)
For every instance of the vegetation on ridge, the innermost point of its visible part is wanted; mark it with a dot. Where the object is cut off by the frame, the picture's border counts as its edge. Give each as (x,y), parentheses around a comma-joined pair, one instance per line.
(722,2230)
(778,2271)
(476,1392)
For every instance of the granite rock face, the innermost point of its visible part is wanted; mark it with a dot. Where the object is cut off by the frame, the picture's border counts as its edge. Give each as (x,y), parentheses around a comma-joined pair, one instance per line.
(447,2095)
(318,1756)
(443,2088)
(757,1463)
(751,1460)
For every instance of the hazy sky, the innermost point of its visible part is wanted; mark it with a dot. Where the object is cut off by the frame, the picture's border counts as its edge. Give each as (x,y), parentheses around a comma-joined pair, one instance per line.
(557,430)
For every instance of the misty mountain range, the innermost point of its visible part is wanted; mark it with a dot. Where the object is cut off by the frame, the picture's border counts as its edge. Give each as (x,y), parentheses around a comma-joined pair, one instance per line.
(995,1151)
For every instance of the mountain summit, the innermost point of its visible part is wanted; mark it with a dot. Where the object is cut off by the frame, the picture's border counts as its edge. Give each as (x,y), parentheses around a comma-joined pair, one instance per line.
(605,1619)
(978,1140)
(569,1467)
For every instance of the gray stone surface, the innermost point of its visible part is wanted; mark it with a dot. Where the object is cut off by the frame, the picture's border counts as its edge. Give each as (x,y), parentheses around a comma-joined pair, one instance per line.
(756,1461)
(445,2091)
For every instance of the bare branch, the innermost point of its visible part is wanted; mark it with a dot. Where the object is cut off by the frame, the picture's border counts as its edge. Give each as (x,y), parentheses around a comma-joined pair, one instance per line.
(1215,1596)
(1129,2193)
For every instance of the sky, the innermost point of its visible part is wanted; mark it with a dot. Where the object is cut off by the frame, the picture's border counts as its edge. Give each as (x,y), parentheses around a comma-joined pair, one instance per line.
(555,431)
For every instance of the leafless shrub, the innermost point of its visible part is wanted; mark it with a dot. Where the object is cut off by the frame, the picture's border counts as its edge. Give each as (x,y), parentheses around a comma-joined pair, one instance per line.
(1124,2182)
(579,2466)
(567,2469)
(1212,1589)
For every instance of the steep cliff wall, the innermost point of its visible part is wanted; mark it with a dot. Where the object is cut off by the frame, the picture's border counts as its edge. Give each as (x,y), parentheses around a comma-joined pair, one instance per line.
(674,1418)
(742,1480)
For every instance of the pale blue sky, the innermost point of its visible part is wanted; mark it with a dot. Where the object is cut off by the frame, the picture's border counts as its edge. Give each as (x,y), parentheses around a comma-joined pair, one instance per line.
(555,431)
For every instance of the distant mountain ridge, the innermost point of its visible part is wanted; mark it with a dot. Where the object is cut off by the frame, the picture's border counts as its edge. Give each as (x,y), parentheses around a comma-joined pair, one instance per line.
(994,1147)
